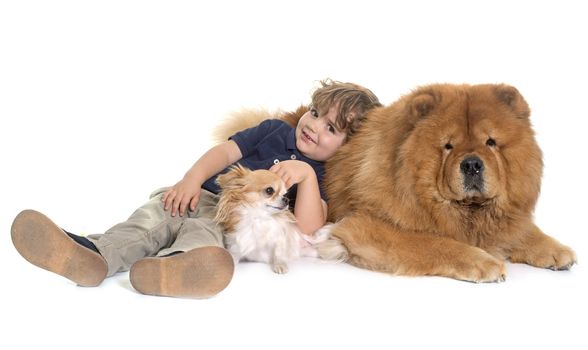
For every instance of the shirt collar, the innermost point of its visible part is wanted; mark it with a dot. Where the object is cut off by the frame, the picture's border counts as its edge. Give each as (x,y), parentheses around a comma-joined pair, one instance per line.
(291,140)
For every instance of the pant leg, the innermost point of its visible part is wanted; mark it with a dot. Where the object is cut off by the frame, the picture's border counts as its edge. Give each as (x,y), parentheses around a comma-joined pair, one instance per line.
(147,231)
(198,229)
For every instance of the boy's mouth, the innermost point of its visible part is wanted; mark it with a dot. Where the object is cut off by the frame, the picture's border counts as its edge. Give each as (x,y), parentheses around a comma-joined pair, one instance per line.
(307,137)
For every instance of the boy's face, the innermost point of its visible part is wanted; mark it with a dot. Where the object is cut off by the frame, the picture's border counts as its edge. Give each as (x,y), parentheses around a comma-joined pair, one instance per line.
(317,137)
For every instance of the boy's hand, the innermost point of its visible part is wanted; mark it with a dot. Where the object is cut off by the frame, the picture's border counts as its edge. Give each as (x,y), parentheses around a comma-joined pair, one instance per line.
(185,192)
(293,171)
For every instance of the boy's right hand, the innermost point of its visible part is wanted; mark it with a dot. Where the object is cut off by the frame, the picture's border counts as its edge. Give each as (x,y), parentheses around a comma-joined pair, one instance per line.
(185,192)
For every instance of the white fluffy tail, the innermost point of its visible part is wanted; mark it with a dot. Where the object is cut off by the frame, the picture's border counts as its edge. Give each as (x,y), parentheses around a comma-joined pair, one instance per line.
(326,246)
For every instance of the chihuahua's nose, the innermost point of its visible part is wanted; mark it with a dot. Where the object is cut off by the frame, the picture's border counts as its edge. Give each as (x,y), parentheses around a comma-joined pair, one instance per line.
(285,200)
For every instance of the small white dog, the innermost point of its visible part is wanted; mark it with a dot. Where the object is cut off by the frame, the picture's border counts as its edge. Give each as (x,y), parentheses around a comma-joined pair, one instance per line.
(258,225)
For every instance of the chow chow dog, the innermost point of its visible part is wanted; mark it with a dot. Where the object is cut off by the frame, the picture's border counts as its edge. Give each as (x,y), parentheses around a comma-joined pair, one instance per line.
(443,182)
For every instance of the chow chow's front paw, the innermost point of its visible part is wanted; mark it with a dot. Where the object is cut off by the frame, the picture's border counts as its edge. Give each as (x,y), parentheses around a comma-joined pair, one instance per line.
(557,259)
(482,268)
(545,252)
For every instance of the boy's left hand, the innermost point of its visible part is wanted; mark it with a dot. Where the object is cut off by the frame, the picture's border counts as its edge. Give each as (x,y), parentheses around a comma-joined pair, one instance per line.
(293,171)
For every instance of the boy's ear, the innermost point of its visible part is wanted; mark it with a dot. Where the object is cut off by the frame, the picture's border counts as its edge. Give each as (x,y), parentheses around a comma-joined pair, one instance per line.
(233,177)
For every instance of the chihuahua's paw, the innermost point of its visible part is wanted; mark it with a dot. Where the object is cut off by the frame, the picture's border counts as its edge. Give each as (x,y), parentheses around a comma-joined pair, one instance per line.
(280,268)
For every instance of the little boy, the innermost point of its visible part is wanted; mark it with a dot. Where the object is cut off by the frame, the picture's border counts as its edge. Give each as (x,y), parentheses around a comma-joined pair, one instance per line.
(172,251)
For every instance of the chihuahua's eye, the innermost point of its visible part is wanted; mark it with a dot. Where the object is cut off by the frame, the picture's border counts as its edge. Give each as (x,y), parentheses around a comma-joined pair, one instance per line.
(269,191)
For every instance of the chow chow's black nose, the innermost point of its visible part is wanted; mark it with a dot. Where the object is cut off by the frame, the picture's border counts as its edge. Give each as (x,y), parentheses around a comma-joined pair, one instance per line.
(472,166)
(473,169)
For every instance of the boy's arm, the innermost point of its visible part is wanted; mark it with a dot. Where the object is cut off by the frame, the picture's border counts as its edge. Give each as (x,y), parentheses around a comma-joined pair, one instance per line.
(187,191)
(310,210)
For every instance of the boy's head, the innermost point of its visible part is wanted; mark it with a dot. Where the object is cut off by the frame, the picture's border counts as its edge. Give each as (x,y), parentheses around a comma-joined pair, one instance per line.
(336,111)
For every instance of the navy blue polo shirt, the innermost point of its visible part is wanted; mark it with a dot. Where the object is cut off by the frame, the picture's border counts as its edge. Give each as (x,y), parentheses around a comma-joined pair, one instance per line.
(262,146)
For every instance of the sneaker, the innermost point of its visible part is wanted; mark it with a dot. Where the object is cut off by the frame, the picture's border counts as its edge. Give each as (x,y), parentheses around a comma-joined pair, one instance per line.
(42,243)
(198,273)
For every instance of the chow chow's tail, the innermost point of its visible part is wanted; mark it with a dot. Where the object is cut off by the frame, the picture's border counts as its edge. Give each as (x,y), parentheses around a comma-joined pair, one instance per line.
(239,120)
(250,117)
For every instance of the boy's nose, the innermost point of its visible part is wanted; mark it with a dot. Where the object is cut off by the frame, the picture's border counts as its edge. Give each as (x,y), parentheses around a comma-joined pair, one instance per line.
(313,125)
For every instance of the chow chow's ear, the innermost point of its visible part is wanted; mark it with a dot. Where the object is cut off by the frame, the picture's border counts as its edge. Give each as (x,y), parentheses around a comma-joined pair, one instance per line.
(232,178)
(424,102)
(511,97)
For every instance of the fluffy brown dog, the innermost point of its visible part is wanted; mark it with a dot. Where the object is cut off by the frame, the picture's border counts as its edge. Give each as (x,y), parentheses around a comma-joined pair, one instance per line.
(443,182)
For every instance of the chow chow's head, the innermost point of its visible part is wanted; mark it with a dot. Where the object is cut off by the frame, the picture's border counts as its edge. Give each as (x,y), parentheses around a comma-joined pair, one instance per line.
(471,146)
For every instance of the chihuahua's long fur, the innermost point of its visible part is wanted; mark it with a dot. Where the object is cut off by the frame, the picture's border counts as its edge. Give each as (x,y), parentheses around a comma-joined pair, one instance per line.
(258,225)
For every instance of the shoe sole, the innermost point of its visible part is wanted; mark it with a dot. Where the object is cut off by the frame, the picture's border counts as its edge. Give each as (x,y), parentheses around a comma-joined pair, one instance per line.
(42,243)
(199,273)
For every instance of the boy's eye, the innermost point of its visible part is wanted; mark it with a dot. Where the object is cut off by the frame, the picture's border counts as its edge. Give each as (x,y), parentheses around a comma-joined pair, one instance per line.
(269,191)
(314,113)
(331,129)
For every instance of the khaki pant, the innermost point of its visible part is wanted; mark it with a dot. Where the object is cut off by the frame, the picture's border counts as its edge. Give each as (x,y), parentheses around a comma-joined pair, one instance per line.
(151,231)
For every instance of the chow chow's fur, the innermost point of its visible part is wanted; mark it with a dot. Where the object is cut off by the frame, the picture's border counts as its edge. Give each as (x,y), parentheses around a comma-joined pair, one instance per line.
(442,182)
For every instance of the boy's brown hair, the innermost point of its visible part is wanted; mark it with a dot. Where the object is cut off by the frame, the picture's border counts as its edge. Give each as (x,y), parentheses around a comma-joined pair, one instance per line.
(351,100)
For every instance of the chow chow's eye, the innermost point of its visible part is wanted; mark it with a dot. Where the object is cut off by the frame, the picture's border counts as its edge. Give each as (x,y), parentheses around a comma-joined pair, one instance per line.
(448,146)
(490,142)
(269,191)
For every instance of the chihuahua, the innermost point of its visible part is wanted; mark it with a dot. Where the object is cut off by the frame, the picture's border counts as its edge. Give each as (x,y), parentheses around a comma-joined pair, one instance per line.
(258,224)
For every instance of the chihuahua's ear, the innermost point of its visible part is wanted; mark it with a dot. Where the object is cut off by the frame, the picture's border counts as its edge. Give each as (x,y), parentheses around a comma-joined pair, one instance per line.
(232,177)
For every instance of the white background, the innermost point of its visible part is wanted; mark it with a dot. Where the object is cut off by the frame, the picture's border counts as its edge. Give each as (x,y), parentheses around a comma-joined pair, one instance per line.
(102,102)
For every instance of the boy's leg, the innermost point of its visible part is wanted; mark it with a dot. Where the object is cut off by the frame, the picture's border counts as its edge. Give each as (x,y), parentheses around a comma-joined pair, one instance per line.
(148,230)
(44,244)
(47,246)
(196,265)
